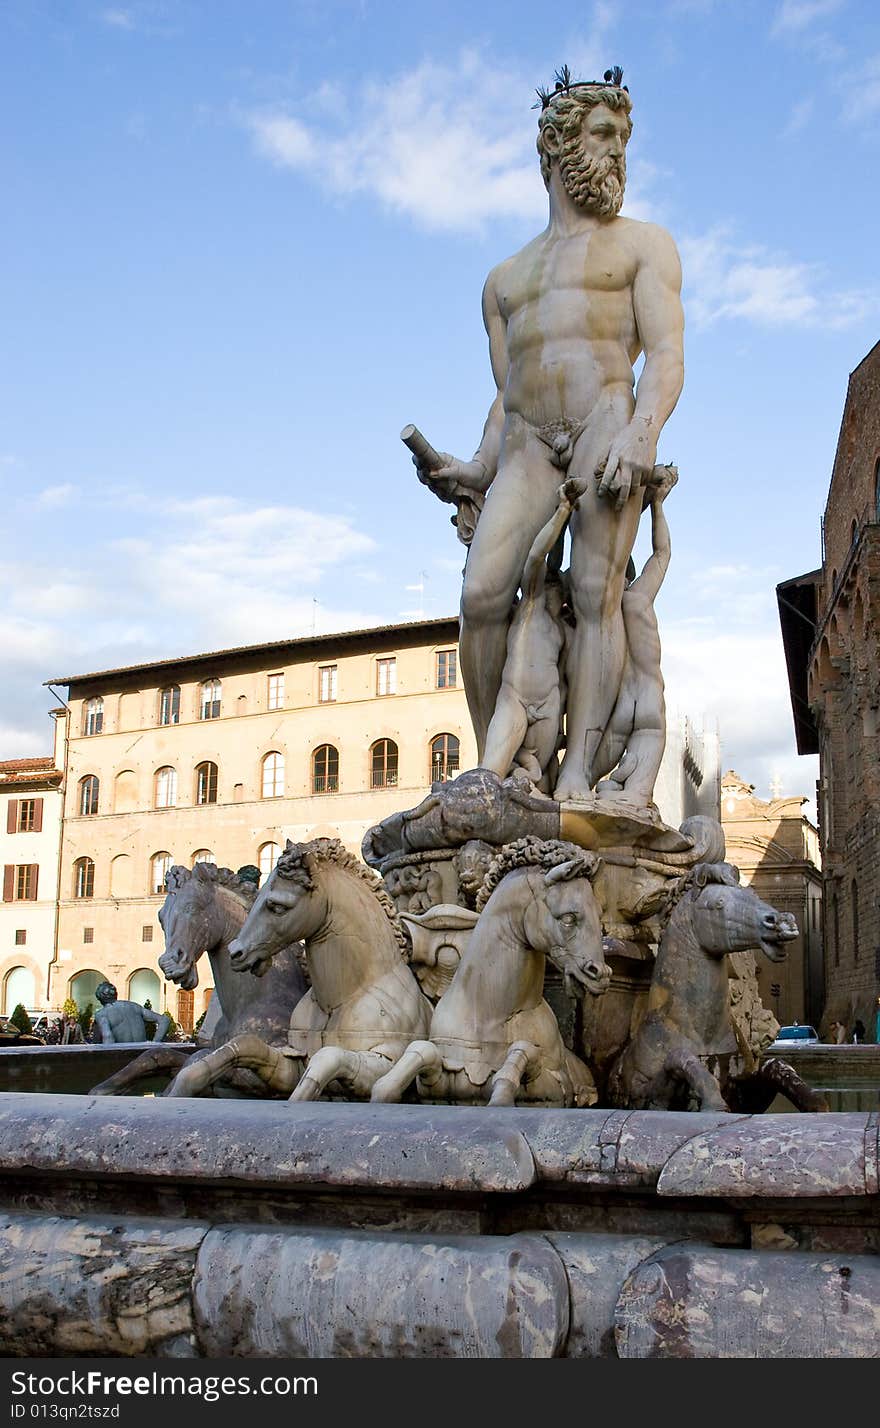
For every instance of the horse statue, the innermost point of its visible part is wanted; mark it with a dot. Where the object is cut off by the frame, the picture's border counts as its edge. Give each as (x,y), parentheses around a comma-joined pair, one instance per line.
(203,911)
(687,1020)
(493,1037)
(364,1005)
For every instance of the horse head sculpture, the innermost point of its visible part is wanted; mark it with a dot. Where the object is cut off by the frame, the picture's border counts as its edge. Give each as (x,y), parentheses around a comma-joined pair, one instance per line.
(726,917)
(192,920)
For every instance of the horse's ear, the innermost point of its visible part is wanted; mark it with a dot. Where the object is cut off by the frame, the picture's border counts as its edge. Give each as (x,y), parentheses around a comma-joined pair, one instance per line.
(288,845)
(724,873)
(585,865)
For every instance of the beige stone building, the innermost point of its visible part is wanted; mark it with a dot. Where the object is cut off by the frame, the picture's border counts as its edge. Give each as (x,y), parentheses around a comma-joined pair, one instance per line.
(776,848)
(30,834)
(223,757)
(831,629)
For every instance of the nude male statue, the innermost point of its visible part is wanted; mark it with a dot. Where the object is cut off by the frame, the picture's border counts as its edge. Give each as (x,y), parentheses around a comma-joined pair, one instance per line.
(125,1021)
(567,318)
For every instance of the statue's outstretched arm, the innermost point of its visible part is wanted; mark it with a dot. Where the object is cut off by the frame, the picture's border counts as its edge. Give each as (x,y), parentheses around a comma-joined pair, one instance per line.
(162,1023)
(657,564)
(535,571)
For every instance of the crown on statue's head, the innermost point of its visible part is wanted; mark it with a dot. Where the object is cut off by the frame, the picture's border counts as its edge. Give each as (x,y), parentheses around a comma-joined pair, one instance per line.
(565,84)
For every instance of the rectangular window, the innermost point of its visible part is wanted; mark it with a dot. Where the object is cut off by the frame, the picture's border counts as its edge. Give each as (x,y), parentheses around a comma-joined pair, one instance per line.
(27,811)
(169,705)
(26,882)
(447,669)
(386,676)
(88,934)
(21,936)
(276,691)
(327,683)
(146,933)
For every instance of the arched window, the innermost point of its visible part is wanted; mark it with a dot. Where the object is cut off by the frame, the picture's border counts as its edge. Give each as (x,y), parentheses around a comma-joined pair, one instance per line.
(159,865)
(19,985)
(144,986)
(383,764)
(854,894)
(203,855)
(444,757)
(209,699)
(169,705)
(267,857)
(83,878)
(93,716)
(273,775)
(89,788)
(206,783)
(325,769)
(166,787)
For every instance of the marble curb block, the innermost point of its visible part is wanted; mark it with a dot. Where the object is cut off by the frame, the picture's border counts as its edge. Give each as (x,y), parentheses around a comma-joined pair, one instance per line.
(326,1294)
(785,1157)
(696,1301)
(263,1143)
(443,1149)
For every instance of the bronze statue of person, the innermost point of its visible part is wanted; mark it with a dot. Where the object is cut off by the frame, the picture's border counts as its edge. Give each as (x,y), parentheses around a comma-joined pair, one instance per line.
(567,318)
(126,1021)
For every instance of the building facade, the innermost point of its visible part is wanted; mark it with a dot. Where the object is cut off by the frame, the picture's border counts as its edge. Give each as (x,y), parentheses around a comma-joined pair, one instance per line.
(776,848)
(222,757)
(30,836)
(831,629)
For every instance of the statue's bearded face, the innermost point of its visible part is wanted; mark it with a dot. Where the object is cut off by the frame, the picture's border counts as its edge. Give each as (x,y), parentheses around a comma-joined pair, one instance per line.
(592,162)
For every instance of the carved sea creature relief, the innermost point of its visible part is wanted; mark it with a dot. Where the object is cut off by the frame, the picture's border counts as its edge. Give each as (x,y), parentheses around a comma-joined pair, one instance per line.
(687,1019)
(493,1038)
(204,910)
(364,1005)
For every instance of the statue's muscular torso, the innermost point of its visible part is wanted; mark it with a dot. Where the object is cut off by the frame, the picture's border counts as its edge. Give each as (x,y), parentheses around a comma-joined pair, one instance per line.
(567,303)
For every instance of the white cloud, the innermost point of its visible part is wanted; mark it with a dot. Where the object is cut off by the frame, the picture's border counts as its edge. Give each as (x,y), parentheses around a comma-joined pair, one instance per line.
(447,146)
(723,280)
(794,16)
(118,19)
(53,496)
(197,575)
(863,91)
(799,117)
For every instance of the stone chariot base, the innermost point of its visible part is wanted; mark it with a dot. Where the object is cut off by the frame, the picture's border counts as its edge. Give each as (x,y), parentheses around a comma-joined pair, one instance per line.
(261,1229)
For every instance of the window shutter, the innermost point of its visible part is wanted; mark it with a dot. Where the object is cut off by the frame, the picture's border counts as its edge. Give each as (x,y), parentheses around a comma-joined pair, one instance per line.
(8,881)
(38,815)
(12,816)
(35,870)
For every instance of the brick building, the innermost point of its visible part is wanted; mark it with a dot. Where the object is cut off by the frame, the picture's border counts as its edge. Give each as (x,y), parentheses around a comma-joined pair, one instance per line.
(776,848)
(831,629)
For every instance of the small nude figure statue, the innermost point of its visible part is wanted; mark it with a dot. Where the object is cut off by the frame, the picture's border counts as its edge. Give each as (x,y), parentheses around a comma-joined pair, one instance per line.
(126,1021)
(633,744)
(525,728)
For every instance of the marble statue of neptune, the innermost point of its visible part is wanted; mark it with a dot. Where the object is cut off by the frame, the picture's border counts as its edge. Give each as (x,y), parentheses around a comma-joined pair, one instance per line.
(567,319)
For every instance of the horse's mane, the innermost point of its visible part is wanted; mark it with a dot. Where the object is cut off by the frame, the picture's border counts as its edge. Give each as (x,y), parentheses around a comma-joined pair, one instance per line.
(177,877)
(533,852)
(298,860)
(693,881)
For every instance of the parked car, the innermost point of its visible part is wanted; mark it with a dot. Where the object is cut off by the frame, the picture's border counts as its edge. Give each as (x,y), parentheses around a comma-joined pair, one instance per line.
(11,1036)
(789,1038)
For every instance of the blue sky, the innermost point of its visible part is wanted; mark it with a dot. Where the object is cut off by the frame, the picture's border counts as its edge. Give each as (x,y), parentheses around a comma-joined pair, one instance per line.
(243,244)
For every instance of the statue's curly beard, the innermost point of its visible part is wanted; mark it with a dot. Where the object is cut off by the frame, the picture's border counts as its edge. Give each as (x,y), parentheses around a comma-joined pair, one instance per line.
(596,185)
